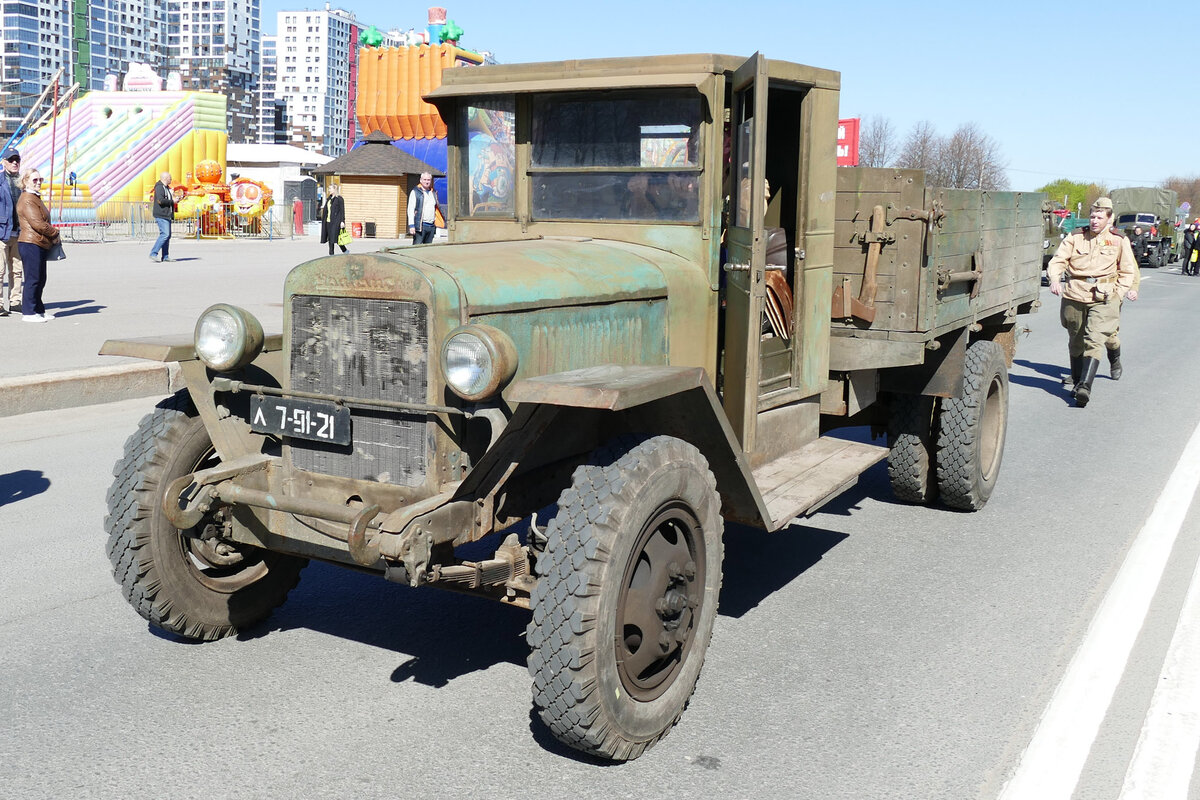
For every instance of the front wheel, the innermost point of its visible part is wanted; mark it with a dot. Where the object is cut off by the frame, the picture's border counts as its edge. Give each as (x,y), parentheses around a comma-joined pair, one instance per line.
(626,596)
(192,583)
(971,430)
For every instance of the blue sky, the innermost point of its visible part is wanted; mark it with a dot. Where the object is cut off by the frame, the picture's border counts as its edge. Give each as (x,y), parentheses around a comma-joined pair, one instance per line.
(1053,82)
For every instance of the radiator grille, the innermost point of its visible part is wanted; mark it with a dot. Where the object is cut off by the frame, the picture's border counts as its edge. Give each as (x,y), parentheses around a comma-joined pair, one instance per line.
(374,349)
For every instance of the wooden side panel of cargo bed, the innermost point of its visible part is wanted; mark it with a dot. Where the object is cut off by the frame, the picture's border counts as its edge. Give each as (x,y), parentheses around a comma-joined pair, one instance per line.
(998,234)
(899,277)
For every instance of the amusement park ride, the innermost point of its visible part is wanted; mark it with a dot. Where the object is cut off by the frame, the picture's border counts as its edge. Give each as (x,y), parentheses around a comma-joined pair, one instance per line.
(220,208)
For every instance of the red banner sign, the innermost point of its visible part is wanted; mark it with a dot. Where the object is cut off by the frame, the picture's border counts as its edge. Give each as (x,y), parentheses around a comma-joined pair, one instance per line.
(847,142)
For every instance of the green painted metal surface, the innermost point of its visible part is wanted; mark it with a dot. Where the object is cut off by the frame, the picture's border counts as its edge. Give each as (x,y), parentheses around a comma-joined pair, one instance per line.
(551,340)
(499,276)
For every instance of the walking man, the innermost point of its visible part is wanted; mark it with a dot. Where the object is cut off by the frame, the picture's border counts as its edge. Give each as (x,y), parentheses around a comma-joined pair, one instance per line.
(1113,345)
(1092,271)
(162,206)
(422,210)
(1189,238)
(13,271)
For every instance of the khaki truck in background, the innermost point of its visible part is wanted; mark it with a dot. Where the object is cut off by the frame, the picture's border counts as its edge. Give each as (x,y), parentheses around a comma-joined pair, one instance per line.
(1152,209)
(660,303)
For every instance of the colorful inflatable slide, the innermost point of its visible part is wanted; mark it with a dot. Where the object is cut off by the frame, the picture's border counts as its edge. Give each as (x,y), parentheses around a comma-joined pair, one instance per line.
(117,144)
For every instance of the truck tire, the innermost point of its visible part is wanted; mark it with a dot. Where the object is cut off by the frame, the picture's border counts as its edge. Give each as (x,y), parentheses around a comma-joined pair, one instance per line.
(626,596)
(971,429)
(179,582)
(911,448)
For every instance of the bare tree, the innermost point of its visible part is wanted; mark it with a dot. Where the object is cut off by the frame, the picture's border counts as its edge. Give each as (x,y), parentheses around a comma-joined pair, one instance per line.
(920,148)
(876,142)
(968,159)
(1188,189)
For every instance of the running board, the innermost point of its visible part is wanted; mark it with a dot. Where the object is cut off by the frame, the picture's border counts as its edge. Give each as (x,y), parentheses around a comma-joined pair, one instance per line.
(799,483)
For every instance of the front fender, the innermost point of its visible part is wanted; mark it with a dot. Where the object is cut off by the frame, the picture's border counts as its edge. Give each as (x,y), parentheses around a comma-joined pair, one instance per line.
(225,419)
(674,401)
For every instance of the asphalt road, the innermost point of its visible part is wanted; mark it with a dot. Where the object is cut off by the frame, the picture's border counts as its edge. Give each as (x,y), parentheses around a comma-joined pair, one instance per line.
(877,650)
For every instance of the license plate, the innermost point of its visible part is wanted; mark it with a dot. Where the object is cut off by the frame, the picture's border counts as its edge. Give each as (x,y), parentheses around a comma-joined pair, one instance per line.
(316,420)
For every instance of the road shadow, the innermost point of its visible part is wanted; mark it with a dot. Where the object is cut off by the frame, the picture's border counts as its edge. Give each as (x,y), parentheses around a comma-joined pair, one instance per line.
(1048,378)
(758,564)
(71,308)
(1054,371)
(21,485)
(443,635)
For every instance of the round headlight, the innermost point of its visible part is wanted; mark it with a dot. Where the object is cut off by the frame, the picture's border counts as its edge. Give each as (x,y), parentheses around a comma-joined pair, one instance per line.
(477,360)
(228,337)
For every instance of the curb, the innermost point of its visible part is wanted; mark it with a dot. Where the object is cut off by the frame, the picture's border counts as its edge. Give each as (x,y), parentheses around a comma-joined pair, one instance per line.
(52,391)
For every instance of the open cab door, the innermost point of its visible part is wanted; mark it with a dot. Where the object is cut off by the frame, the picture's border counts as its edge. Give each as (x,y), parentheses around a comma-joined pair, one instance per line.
(745,245)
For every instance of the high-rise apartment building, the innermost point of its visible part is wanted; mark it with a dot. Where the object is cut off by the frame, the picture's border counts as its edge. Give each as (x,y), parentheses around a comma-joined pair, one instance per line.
(214,45)
(109,34)
(316,68)
(272,117)
(37,42)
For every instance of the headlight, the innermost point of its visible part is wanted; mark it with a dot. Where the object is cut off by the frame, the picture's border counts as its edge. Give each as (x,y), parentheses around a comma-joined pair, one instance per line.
(228,337)
(477,360)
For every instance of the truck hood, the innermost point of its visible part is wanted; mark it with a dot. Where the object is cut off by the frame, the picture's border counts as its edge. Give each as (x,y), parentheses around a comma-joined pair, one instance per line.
(544,273)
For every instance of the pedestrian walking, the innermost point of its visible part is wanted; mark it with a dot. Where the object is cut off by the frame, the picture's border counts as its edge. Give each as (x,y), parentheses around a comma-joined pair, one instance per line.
(10,227)
(1189,243)
(36,238)
(1092,271)
(162,206)
(422,210)
(1113,346)
(333,219)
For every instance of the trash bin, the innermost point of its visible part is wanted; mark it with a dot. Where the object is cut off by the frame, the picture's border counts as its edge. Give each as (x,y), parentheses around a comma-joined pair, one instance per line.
(369,230)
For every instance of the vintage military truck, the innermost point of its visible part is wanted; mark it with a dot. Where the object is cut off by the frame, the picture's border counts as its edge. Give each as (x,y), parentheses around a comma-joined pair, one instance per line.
(627,327)
(1153,210)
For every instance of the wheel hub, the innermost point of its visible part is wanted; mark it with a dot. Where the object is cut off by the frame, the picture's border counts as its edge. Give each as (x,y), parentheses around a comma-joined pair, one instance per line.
(658,606)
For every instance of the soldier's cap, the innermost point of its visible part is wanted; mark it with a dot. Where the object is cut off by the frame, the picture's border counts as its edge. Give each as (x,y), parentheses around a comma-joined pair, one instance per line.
(10,154)
(1103,202)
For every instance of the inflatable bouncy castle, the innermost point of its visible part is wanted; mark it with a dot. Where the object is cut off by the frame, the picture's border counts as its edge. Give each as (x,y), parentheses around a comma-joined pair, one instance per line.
(117,144)
(392,80)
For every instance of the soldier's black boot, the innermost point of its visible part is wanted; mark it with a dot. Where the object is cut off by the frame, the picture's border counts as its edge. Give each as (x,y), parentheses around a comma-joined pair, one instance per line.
(1114,363)
(1083,389)
(1076,371)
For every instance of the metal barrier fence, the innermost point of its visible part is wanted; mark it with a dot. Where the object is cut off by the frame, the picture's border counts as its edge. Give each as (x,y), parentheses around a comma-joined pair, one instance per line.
(126,221)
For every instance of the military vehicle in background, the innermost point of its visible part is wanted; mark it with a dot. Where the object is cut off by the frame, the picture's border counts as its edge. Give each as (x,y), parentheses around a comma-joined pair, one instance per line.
(1057,224)
(1152,209)
(659,300)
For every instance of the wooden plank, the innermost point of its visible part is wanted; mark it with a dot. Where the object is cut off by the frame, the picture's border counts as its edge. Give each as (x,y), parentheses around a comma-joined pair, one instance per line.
(852,353)
(800,482)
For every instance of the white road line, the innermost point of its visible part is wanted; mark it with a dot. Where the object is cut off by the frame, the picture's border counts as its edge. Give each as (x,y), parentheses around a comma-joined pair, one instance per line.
(1165,756)
(1050,767)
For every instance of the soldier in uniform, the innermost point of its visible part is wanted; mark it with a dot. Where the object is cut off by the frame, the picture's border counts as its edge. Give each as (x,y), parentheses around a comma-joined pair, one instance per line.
(1113,345)
(1092,271)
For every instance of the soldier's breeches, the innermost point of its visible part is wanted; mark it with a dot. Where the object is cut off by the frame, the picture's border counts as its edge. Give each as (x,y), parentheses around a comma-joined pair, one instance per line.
(1090,325)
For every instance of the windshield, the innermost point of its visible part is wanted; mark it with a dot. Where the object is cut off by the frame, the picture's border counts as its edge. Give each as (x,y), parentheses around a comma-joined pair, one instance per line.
(633,156)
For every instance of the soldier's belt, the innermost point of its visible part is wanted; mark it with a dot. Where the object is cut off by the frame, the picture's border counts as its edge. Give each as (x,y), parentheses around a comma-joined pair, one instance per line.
(1101,279)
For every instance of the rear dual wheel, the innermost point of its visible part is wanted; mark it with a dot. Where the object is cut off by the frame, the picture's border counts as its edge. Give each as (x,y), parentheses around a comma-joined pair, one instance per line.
(950,449)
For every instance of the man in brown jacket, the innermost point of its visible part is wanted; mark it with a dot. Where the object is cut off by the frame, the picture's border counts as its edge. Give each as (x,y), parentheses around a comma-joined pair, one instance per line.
(1092,270)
